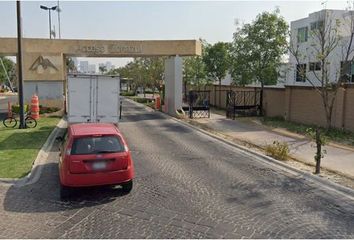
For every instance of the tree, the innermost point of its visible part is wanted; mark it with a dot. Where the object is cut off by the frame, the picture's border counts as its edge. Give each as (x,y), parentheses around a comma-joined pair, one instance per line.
(330,56)
(138,71)
(217,62)
(155,68)
(194,71)
(146,72)
(102,69)
(320,139)
(7,71)
(258,48)
(70,65)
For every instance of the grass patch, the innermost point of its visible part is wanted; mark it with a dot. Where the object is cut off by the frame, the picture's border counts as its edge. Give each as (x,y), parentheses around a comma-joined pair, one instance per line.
(150,104)
(141,100)
(19,147)
(333,134)
(127,94)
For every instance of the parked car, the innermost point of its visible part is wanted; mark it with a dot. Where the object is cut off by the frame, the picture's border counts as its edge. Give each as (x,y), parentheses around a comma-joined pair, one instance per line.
(94,154)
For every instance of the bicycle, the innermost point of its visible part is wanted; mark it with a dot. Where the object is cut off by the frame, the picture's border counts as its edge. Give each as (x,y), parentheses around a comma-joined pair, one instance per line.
(11,121)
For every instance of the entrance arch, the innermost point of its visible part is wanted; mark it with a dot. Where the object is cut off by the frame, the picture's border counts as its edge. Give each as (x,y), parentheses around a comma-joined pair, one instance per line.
(44,68)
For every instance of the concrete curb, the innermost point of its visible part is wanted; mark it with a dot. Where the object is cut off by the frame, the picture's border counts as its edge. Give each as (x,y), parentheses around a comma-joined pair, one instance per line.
(325,183)
(39,162)
(262,148)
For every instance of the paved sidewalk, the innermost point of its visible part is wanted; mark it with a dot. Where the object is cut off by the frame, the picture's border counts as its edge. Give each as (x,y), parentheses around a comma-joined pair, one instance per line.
(338,159)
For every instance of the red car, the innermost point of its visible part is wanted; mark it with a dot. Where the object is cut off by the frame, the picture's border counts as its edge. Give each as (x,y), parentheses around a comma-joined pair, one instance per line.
(94,154)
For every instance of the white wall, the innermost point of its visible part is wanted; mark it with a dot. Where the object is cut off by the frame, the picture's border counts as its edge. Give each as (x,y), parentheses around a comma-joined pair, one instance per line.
(227,80)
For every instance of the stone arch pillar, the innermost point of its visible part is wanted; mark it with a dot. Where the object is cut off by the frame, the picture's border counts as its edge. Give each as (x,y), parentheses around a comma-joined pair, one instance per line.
(173,84)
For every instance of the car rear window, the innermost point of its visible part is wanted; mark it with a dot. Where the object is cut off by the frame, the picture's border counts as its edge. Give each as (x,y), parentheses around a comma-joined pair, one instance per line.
(96,145)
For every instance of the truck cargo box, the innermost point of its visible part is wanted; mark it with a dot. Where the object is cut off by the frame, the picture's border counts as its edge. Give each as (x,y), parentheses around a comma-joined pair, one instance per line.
(93,98)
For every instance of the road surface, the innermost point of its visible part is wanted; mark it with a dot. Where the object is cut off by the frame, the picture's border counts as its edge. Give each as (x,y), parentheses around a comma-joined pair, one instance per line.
(187,185)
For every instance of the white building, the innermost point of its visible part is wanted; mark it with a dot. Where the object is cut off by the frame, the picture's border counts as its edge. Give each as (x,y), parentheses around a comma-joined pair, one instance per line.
(92,68)
(304,40)
(76,63)
(108,65)
(227,80)
(84,67)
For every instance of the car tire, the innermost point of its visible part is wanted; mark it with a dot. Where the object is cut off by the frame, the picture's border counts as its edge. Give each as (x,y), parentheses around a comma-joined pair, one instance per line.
(64,192)
(127,186)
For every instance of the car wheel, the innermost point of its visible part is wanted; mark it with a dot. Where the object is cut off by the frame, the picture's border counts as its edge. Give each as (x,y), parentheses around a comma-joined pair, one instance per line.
(64,192)
(127,186)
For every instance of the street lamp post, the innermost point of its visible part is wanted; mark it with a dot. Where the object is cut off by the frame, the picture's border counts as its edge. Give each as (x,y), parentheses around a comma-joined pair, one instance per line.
(50,17)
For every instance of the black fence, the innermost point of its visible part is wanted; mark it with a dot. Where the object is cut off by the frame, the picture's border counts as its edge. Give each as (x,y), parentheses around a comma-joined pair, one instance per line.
(198,104)
(243,103)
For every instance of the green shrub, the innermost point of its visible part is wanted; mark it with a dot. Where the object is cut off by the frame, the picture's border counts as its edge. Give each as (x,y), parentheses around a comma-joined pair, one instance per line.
(16,108)
(278,150)
(150,92)
(142,100)
(150,104)
(128,94)
(47,109)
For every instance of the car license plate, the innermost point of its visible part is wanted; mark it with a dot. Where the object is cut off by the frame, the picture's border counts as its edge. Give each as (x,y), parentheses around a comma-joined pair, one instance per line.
(98,165)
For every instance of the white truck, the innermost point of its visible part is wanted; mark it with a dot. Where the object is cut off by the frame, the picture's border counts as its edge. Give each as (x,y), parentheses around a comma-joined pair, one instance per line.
(93,98)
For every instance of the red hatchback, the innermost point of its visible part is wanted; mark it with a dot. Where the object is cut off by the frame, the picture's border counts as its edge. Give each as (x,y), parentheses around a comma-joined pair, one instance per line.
(94,154)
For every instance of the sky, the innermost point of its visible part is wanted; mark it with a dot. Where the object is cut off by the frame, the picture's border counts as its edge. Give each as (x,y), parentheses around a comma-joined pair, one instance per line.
(133,20)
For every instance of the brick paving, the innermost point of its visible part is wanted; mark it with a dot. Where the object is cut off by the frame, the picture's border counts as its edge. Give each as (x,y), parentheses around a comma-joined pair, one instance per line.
(187,186)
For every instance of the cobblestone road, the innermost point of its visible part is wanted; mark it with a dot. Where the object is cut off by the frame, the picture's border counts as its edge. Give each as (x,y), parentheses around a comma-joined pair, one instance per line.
(187,186)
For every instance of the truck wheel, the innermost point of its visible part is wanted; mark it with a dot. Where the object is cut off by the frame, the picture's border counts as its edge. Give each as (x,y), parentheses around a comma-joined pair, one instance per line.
(127,186)
(64,192)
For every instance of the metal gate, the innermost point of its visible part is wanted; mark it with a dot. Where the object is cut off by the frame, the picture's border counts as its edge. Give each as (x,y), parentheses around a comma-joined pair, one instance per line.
(198,104)
(243,103)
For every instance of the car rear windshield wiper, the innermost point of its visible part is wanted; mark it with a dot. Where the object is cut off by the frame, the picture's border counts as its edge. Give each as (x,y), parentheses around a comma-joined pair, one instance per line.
(106,151)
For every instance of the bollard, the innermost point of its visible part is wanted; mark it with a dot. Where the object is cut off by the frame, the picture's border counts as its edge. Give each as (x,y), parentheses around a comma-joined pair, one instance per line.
(35,107)
(157,103)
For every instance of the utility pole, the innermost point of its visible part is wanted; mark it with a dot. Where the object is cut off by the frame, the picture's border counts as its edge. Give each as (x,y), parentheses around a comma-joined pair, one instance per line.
(19,62)
(59,10)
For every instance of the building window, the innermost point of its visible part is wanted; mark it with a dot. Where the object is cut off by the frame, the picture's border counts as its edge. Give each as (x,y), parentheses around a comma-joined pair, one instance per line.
(347,71)
(317,25)
(302,34)
(315,66)
(300,73)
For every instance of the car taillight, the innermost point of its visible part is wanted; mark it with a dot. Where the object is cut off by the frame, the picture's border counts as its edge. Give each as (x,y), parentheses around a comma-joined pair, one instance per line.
(126,148)
(68,151)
